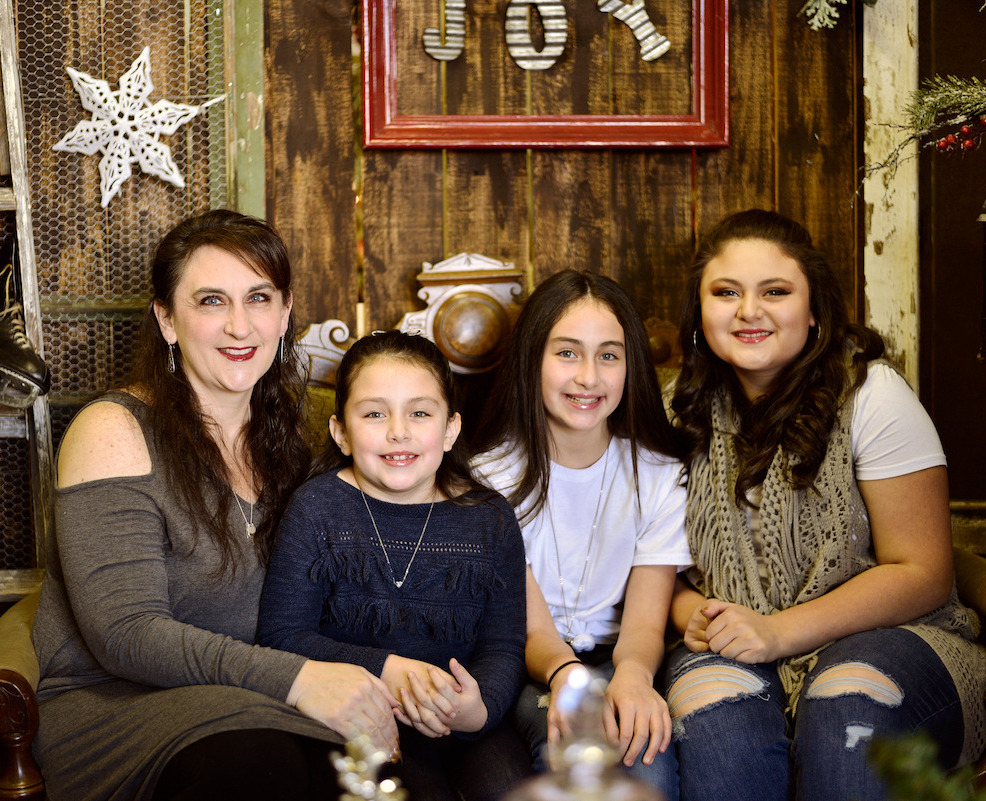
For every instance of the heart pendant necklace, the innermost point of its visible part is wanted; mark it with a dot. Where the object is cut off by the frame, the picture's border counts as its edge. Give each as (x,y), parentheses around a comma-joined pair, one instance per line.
(421,536)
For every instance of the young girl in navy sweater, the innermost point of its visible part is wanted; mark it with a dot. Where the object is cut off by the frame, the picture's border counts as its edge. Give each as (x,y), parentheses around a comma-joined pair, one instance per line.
(394,558)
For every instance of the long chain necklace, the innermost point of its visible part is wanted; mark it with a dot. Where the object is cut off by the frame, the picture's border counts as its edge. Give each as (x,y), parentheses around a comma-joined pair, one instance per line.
(421,536)
(251,529)
(583,641)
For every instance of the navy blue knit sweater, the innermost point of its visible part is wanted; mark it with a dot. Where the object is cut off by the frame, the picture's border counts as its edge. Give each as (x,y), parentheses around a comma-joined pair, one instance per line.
(329,594)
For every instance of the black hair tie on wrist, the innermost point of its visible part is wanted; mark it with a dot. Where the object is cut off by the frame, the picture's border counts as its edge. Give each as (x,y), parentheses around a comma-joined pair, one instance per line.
(561,667)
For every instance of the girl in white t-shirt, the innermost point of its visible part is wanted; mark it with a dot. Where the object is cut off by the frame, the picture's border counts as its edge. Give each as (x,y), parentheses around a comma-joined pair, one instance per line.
(576,437)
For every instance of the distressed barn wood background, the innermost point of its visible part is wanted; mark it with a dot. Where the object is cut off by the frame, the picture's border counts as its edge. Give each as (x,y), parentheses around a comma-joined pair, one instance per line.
(632,214)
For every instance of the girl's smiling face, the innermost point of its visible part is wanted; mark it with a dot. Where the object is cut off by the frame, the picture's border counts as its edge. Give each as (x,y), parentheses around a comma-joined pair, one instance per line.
(397,430)
(756,311)
(583,370)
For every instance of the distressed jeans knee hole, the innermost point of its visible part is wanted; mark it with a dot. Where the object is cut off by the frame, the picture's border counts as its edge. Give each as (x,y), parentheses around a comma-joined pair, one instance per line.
(707,687)
(856,678)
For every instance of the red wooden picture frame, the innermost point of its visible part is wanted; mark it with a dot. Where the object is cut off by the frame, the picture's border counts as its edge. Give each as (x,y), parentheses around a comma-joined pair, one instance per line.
(707,124)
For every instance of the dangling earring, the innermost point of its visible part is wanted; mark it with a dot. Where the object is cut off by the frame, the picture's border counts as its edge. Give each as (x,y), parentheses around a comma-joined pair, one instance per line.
(818,331)
(280,349)
(695,338)
(171,357)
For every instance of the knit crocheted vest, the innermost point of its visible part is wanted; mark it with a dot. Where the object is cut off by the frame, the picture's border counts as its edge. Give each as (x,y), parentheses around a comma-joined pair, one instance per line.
(812,541)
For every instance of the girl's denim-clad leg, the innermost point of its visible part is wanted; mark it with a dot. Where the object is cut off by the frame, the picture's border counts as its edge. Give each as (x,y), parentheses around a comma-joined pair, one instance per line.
(910,690)
(734,749)
(531,720)
(734,745)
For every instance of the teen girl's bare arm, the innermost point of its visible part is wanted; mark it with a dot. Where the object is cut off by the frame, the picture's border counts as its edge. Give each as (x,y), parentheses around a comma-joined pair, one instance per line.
(546,653)
(911,531)
(636,715)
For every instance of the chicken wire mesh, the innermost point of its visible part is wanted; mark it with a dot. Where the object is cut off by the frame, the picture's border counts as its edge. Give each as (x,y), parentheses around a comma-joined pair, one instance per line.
(93,262)
(15,490)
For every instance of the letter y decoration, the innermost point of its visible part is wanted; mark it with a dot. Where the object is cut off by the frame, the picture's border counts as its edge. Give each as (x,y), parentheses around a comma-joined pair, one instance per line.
(653,45)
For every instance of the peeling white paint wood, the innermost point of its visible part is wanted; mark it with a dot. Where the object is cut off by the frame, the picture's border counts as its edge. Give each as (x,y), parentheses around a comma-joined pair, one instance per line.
(890,257)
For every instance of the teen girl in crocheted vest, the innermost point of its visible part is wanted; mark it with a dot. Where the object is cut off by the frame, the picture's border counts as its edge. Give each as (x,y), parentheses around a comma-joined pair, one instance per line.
(821,611)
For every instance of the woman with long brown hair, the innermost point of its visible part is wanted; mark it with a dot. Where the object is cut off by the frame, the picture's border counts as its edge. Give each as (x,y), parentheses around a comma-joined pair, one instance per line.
(169,490)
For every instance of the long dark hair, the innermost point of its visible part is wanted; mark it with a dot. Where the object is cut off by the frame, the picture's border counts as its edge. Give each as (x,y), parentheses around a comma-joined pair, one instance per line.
(515,411)
(273,441)
(800,412)
(453,478)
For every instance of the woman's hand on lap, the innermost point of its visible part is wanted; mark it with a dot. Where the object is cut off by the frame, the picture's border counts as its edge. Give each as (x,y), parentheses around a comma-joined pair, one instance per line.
(739,633)
(348,699)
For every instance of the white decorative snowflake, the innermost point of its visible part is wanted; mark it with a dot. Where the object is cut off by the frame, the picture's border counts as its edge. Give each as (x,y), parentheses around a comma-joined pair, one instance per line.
(125,127)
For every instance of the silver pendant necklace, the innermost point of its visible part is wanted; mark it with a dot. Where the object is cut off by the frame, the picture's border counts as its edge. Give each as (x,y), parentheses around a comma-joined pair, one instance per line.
(251,529)
(421,536)
(583,641)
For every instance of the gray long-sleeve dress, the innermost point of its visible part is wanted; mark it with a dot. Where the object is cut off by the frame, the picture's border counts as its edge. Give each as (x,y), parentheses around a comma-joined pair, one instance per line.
(142,650)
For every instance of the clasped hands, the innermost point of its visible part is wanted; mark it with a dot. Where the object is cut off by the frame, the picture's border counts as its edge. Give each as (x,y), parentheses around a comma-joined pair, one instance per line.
(734,631)
(351,700)
(434,701)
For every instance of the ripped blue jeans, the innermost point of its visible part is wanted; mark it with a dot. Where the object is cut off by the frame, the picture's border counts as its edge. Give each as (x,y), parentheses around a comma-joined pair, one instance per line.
(735,744)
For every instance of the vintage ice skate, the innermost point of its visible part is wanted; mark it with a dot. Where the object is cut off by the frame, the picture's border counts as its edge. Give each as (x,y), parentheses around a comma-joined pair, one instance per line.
(23,374)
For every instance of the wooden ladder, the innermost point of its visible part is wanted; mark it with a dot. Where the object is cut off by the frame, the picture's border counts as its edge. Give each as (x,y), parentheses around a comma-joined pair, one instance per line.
(34,423)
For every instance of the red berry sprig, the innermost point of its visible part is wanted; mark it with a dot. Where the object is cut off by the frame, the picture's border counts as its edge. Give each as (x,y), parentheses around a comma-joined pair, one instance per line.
(969,136)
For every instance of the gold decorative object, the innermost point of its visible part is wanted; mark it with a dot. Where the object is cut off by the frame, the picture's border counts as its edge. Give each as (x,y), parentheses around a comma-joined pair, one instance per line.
(358,771)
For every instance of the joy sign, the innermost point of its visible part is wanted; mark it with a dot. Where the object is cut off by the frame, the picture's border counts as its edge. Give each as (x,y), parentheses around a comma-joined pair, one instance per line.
(554,19)
(598,62)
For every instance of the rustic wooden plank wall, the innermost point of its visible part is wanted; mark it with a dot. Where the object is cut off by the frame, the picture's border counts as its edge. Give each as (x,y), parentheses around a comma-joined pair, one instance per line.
(953,271)
(630,214)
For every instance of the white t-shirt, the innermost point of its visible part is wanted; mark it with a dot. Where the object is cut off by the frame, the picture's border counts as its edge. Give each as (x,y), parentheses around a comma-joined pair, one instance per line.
(892,434)
(626,534)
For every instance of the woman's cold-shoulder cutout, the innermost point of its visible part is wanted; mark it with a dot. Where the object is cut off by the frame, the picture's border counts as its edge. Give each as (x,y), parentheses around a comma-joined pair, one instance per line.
(103,441)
